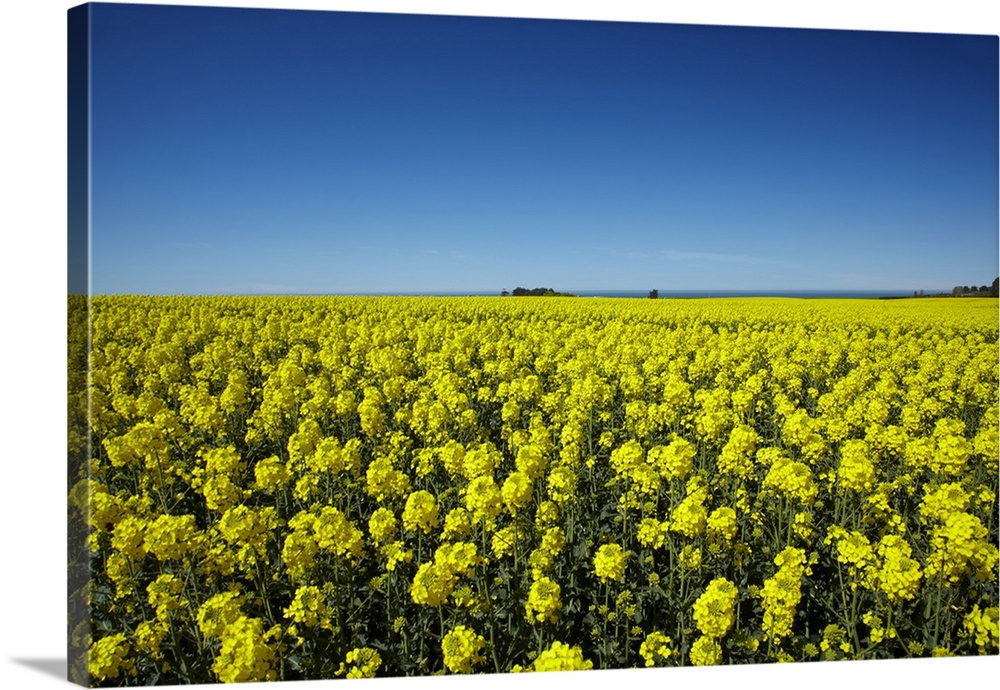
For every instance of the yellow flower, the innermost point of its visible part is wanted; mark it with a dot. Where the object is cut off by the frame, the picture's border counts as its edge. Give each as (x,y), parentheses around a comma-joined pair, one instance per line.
(382,525)
(129,537)
(714,609)
(163,594)
(855,471)
(544,603)
(690,515)
(782,593)
(561,484)
(462,649)
(298,553)
(833,642)
(334,532)
(983,625)
(383,481)
(655,647)
(149,635)
(609,563)
(361,662)
(309,607)
(898,575)
(721,524)
(420,512)
(248,531)
(503,541)
(483,499)
(690,557)
(626,457)
(531,461)
(171,537)
(542,559)
(271,474)
(432,584)
(562,657)
(108,657)
(737,455)
(245,655)
(218,612)
(706,651)
(651,533)
(942,500)
(457,523)
(547,514)
(790,478)
(674,461)
(395,553)
(459,558)
(516,491)
(960,547)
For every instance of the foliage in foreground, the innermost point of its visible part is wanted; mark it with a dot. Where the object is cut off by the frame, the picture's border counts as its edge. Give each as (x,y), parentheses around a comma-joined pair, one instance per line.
(317,487)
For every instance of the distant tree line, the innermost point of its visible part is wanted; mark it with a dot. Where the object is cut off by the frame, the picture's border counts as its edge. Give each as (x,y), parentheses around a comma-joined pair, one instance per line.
(966,291)
(982,291)
(535,292)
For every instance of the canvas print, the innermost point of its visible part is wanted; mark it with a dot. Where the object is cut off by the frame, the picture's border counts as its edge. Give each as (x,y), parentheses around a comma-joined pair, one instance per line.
(406,345)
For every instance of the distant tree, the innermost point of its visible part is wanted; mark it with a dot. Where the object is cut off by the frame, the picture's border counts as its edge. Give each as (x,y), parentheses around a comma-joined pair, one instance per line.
(504,293)
(984,288)
(995,288)
(539,292)
(914,293)
(965,289)
(921,293)
(653,294)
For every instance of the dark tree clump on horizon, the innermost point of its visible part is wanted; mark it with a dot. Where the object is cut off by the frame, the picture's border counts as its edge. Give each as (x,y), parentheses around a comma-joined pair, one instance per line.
(539,292)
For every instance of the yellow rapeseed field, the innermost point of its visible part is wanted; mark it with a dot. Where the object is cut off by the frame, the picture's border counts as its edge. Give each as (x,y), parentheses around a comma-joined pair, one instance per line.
(310,487)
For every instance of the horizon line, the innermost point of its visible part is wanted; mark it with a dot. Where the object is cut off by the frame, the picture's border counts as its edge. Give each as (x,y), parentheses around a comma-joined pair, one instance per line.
(869,292)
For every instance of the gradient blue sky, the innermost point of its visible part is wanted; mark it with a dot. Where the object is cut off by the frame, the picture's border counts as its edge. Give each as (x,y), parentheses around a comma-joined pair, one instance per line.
(247,151)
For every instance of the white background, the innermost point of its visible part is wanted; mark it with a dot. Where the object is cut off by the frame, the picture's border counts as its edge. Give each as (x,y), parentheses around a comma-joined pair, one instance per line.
(32,334)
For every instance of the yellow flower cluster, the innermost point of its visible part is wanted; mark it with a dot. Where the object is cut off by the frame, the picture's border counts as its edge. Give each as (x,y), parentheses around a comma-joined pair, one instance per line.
(382,525)
(309,607)
(462,649)
(656,647)
(246,654)
(609,563)
(984,627)
(706,651)
(421,512)
(690,515)
(960,547)
(714,609)
(898,575)
(544,602)
(435,580)
(562,657)
(108,657)
(361,662)
(219,612)
(855,471)
(721,524)
(782,592)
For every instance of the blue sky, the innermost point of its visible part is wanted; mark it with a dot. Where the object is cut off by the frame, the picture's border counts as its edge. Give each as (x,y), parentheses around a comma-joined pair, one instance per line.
(248,151)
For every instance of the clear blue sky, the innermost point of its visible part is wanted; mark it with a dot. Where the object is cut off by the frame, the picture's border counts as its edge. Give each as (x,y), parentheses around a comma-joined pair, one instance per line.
(247,151)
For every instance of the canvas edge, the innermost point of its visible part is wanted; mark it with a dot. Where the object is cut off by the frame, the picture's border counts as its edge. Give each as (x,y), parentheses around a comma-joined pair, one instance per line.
(78,566)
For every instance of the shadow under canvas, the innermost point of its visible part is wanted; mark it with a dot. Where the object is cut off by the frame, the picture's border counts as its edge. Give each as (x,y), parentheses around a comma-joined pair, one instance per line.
(50,667)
